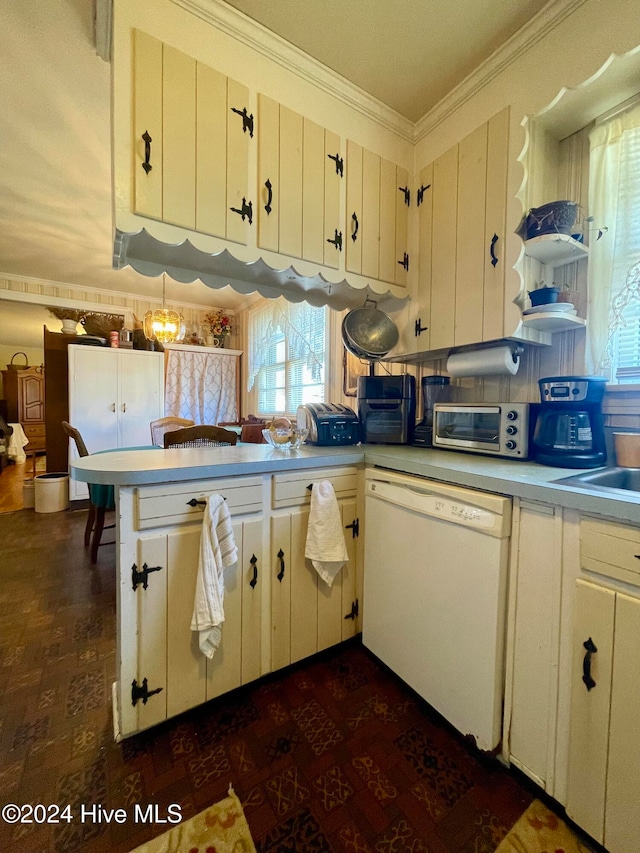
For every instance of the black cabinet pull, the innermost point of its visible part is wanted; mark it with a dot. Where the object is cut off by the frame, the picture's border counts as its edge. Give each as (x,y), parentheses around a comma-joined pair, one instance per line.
(339,163)
(405,262)
(420,195)
(147,152)
(407,195)
(254,579)
(269,187)
(246,211)
(195,502)
(354,610)
(590,646)
(492,250)
(354,233)
(280,556)
(337,240)
(247,120)
(419,328)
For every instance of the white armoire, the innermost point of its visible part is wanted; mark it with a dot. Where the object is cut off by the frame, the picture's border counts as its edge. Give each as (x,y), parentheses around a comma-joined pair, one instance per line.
(114,394)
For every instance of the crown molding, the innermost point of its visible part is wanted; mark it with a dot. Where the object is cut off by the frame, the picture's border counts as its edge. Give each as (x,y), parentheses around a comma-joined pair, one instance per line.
(239,26)
(520,42)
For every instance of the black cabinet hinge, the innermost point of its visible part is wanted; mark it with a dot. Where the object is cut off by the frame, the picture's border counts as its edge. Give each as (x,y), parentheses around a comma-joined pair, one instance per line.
(354,610)
(354,527)
(339,163)
(247,120)
(142,577)
(407,195)
(246,211)
(405,262)
(337,240)
(142,692)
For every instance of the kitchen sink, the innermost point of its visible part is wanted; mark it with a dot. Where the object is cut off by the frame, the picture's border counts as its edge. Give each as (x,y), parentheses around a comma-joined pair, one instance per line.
(610,479)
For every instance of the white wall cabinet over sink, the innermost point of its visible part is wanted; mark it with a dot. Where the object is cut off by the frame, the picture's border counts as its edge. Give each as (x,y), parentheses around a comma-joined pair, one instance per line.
(114,394)
(604,743)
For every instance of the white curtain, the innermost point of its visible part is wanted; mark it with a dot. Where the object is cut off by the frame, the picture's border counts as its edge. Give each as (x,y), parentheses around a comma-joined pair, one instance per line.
(201,386)
(614,204)
(299,324)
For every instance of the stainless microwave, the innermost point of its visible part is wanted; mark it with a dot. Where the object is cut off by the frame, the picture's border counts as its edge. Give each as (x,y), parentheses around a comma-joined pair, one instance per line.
(495,429)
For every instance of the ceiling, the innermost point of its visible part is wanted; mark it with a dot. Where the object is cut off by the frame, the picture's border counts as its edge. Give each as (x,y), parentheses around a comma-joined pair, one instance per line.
(407,53)
(55,166)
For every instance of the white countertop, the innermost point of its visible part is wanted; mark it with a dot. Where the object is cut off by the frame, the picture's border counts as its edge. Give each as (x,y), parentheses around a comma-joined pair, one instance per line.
(503,476)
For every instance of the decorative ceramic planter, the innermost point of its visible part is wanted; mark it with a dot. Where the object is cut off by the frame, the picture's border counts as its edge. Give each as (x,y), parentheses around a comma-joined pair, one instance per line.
(69,327)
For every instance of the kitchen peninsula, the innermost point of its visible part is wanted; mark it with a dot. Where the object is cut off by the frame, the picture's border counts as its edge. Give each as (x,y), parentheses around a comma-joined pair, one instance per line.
(567,545)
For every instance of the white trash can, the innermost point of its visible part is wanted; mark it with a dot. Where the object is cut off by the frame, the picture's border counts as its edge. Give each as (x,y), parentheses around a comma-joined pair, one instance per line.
(52,492)
(28,494)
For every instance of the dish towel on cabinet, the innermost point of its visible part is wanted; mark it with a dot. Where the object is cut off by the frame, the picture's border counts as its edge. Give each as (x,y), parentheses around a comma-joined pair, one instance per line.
(218,552)
(325,545)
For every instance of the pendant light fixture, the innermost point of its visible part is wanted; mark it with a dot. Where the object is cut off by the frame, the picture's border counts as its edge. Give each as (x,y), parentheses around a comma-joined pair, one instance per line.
(163,324)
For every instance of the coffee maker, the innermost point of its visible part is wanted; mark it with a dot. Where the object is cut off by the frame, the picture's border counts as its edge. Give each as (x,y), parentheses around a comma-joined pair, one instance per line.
(435,389)
(569,430)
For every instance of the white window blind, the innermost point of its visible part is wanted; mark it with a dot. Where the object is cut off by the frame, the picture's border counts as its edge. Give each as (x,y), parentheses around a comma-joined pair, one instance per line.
(287,356)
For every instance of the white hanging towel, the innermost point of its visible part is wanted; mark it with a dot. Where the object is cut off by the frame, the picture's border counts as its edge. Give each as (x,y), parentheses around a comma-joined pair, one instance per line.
(325,545)
(218,552)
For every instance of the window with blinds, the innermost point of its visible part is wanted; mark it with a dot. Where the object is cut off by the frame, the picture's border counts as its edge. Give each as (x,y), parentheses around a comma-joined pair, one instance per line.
(627,346)
(285,380)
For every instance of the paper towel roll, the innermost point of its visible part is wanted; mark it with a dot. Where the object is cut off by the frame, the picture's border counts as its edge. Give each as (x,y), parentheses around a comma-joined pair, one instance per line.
(484,362)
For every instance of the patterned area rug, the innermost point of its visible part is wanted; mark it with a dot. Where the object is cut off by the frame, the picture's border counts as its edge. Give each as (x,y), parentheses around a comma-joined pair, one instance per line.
(539,831)
(222,828)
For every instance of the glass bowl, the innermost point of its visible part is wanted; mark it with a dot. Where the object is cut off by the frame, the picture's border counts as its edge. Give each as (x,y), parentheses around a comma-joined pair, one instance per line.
(283,439)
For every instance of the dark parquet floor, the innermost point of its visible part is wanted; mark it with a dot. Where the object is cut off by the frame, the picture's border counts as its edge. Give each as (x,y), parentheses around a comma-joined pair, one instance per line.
(335,755)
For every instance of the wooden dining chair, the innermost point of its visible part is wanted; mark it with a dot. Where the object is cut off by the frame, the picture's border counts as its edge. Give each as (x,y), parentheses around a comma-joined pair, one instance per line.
(101,499)
(162,425)
(202,435)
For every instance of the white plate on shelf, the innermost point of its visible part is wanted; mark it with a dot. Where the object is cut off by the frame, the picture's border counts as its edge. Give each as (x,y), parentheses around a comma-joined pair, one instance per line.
(552,308)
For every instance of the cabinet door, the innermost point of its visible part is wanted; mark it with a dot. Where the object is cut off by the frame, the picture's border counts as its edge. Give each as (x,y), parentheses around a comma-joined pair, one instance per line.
(370,223)
(290,224)
(495,226)
(178,138)
(304,592)
(589,730)
(140,396)
(387,249)
(536,613)
(224,670)
(333,172)
(93,396)
(238,137)
(253,579)
(211,151)
(443,249)
(147,125)
(268,173)
(622,814)
(353,231)
(281,580)
(402,201)
(31,398)
(313,177)
(470,231)
(421,318)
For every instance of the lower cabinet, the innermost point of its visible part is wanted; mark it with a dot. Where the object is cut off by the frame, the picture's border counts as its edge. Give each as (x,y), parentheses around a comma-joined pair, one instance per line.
(604,742)
(277,609)
(533,641)
(307,615)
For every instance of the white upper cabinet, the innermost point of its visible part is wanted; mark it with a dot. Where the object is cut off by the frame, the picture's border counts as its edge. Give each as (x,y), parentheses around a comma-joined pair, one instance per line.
(378,197)
(190,142)
(299,176)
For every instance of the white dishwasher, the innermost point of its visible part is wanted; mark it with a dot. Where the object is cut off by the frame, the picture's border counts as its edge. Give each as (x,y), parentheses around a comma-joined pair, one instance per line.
(434,604)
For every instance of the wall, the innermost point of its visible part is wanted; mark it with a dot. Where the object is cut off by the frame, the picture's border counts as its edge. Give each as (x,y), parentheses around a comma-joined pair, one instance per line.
(542,167)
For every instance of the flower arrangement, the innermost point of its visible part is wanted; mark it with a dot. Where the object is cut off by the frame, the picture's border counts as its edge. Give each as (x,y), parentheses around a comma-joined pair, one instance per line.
(218,323)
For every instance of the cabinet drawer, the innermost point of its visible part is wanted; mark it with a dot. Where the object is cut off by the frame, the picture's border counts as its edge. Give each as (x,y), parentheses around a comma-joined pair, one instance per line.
(611,549)
(160,506)
(293,489)
(34,431)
